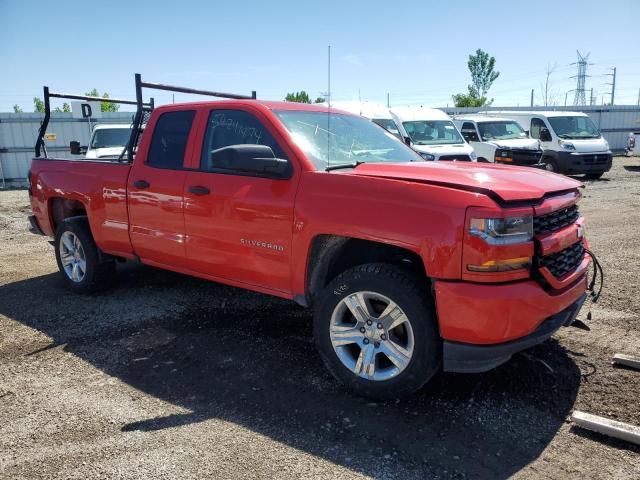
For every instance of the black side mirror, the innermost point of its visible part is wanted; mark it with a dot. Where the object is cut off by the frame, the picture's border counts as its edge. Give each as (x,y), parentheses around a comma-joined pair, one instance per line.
(76,149)
(250,159)
(545,135)
(407,140)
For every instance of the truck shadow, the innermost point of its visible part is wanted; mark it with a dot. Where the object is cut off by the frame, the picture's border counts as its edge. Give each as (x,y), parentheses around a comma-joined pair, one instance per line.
(221,352)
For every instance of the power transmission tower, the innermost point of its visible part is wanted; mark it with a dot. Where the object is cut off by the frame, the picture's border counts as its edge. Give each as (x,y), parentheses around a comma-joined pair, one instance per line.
(613,84)
(581,77)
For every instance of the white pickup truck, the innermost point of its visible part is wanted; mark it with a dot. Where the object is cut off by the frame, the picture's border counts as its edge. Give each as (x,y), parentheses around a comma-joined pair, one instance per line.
(107,140)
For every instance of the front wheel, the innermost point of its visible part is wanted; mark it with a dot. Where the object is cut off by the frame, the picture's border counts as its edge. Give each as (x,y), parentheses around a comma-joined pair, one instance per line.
(79,259)
(375,330)
(550,165)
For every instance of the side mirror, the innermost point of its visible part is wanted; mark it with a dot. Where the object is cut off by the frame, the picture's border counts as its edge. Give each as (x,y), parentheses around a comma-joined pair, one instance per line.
(407,140)
(76,149)
(545,135)
(251,159)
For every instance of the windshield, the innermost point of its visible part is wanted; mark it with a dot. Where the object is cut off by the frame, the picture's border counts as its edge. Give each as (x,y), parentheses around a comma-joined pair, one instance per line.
(432,132)
(335,139)
(500,131)
(110,137)
(574,127)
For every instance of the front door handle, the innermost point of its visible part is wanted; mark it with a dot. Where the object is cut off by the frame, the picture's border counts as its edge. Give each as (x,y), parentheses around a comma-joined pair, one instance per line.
(141,184)
(199,190)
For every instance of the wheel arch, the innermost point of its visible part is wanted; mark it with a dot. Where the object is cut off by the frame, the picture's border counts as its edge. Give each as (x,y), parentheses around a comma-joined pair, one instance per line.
(330,255)
(61,208)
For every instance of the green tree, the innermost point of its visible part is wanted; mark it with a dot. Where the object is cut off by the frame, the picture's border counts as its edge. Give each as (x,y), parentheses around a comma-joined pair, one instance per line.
(65,108)
(300,97)
(104,106)
(17,109)
(320,100)
(483,74)
(38,105)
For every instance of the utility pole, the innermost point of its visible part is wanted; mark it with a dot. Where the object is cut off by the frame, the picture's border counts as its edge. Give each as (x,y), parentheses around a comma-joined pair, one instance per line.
(613,84)
(532,97)
(388,105)
(639,96)
(591,97)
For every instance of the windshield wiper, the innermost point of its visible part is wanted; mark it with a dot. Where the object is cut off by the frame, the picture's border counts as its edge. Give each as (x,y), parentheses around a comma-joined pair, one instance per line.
(343,165)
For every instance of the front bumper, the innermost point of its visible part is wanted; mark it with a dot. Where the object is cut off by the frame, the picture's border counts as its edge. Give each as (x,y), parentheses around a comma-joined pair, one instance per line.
(584,162)
(33,225)
(468,358)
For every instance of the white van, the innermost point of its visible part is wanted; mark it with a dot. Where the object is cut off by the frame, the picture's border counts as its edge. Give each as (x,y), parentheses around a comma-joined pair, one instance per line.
(499,140)
(432,134)
(570,141)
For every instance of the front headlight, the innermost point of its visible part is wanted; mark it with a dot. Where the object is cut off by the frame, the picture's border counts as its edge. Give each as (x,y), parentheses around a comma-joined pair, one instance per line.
(567,145)
(503,231)
(473,156)
(427,156)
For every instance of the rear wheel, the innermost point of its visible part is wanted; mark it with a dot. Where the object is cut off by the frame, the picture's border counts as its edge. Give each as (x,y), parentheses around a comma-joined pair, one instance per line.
(375,331)
(79,259)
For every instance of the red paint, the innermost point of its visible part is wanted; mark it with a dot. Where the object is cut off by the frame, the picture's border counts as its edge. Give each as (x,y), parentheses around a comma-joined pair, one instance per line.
(257,233)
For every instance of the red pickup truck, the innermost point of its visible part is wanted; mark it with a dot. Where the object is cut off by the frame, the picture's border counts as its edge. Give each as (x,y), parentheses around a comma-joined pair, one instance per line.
(410,266)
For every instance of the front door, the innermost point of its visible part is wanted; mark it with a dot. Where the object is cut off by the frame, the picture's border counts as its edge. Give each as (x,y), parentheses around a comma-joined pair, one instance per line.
(468,131)
(155,192)
(238,226)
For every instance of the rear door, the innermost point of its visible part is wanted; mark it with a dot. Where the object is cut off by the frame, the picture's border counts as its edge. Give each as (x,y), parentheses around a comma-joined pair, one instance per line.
(239,226)
(155,191)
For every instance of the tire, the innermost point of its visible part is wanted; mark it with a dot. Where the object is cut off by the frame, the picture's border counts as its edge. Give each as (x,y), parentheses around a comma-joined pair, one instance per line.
(482,160)
(84,270)
(594,176)
(416,361)
(550,165)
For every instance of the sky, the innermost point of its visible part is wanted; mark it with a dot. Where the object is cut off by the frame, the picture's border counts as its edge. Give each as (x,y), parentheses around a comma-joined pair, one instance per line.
(415,51)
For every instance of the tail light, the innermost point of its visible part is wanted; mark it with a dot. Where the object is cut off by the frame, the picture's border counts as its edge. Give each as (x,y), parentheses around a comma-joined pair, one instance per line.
(498,244)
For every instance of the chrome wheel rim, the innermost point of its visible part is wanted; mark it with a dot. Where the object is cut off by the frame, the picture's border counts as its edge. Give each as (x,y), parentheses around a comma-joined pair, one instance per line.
(371,335)
(72,257)
(549,167)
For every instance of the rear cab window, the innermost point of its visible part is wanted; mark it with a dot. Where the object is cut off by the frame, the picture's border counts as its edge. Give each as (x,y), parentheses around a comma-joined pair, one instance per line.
(169,141)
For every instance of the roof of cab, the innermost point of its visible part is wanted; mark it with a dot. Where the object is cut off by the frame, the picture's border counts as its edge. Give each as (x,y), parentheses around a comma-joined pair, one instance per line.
(541,113)
(408,114)
(480,118)
(271,105)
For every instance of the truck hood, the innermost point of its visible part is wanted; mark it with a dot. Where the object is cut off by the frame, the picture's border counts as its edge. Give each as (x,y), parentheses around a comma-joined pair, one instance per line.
(452,149)
(507,182)
(589,145)
(520,143)
(104,152)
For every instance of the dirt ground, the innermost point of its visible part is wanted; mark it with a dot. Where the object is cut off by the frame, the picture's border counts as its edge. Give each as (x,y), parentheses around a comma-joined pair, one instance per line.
(166,376)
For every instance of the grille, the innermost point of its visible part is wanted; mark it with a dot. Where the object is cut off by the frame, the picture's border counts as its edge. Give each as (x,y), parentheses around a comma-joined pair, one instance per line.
(595,159)
(459,158)
(526,156)
(565,261)
(555,220)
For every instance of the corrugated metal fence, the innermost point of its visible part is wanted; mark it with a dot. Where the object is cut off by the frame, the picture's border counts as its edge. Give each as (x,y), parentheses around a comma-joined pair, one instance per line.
(18,131)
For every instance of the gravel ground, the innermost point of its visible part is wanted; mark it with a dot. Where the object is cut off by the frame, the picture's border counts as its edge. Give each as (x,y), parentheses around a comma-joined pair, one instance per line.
(166,376)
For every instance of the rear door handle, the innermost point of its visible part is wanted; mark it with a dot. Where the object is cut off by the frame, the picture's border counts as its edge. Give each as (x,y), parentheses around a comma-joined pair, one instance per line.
(199,190)
(141,184)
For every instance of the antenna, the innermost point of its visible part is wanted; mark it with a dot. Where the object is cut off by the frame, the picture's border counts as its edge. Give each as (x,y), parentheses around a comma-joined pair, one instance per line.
(579,98)
(329,103)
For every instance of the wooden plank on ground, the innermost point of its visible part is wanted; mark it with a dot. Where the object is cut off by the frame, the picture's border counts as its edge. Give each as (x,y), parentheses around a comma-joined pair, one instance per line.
(627,360)
(606,426)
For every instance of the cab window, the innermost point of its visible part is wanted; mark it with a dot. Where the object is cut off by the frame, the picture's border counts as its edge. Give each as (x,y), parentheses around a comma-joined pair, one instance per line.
(234,127)
(537,125)
(469,132)
(169,141)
